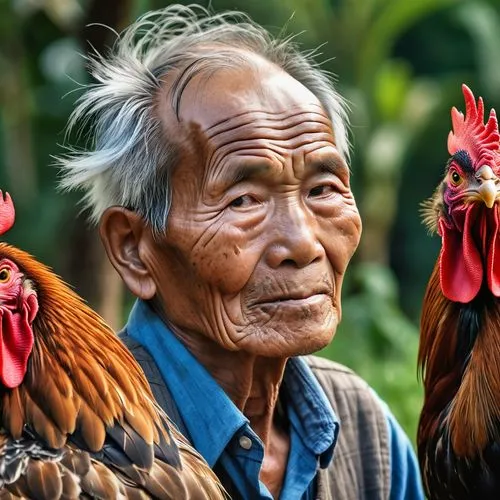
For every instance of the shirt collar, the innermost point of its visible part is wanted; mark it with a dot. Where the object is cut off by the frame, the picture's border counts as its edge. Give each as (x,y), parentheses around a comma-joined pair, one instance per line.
(310,412)
(209,415)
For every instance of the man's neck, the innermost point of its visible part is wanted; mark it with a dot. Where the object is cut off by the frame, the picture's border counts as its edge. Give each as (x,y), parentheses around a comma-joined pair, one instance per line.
(251,382)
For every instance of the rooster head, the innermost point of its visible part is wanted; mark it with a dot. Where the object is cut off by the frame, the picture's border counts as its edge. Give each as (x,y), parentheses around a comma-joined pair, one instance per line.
(464,208)
(18,308)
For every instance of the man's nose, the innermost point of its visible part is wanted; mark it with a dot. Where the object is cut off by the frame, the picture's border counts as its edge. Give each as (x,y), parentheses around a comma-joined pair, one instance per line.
(293,239)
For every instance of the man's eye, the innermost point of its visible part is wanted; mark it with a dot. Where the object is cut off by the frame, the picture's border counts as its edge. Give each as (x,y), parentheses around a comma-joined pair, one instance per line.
(243,201)
(322,190)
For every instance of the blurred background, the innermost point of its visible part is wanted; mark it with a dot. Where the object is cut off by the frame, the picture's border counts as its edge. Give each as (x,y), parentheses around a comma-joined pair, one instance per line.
(400,64)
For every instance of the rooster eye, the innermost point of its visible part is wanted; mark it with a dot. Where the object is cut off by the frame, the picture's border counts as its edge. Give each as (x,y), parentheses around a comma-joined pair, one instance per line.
(4,275)
(456,178)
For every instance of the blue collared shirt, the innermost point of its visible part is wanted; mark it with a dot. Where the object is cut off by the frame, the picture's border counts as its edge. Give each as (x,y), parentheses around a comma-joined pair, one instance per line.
(222,434)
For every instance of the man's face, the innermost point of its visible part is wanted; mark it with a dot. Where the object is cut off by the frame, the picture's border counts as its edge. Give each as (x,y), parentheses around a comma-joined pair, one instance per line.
(263,222)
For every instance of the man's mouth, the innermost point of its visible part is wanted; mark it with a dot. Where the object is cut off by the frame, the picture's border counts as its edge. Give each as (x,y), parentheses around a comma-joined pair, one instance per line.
(294,299)
(306,301)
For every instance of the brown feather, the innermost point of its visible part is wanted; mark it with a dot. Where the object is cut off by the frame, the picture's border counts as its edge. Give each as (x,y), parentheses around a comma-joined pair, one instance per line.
(94,381)
(13,417)
(44,480)
(100,482)
(19,489)
(71,485)
(139,419)
(91,428)
(439,368)
(41,423)
(437,335)
(120,374)
(77,462)
(475,411)
(135,494)
(59,406)
(162,482)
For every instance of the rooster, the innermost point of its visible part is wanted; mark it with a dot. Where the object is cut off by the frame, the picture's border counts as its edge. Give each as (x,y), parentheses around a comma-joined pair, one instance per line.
(459,353)
(77,416)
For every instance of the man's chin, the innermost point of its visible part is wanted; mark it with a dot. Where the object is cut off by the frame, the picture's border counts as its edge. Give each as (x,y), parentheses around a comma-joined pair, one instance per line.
(318,343)
(285,344)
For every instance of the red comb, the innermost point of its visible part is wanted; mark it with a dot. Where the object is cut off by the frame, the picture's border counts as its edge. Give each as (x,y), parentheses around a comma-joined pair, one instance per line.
(471,134)
(7,213)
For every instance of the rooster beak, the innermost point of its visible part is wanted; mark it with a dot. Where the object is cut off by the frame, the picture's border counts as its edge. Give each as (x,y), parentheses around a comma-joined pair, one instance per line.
(488,189)
(488,193)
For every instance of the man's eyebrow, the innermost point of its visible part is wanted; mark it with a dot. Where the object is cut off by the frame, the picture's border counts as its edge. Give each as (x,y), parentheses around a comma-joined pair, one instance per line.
(329,165)
(243,172)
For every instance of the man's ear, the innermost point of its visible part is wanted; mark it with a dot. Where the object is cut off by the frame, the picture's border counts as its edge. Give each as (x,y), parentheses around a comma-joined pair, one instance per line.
(124,234)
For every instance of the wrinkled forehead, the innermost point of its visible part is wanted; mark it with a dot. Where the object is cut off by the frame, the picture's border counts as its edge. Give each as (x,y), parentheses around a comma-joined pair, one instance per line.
(236,103)
(297,135)
(231,92)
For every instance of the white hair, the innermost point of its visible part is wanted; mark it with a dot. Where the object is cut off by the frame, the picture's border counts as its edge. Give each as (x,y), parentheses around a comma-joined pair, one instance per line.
(131,157)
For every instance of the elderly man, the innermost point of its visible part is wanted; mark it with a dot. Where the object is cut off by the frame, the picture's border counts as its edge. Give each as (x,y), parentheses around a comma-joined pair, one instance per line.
(219,176)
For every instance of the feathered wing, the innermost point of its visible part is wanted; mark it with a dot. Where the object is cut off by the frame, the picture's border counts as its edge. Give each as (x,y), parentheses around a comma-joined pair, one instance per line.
(31,470)
(86,400)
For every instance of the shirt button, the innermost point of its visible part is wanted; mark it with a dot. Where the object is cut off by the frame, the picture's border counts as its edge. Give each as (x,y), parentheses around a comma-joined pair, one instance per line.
(245,442)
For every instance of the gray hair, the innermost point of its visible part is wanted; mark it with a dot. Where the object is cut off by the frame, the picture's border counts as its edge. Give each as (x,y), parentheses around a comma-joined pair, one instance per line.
(131,158)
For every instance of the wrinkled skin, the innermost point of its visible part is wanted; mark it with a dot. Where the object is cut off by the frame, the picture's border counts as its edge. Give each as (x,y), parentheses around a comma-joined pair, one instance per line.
(262,227)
